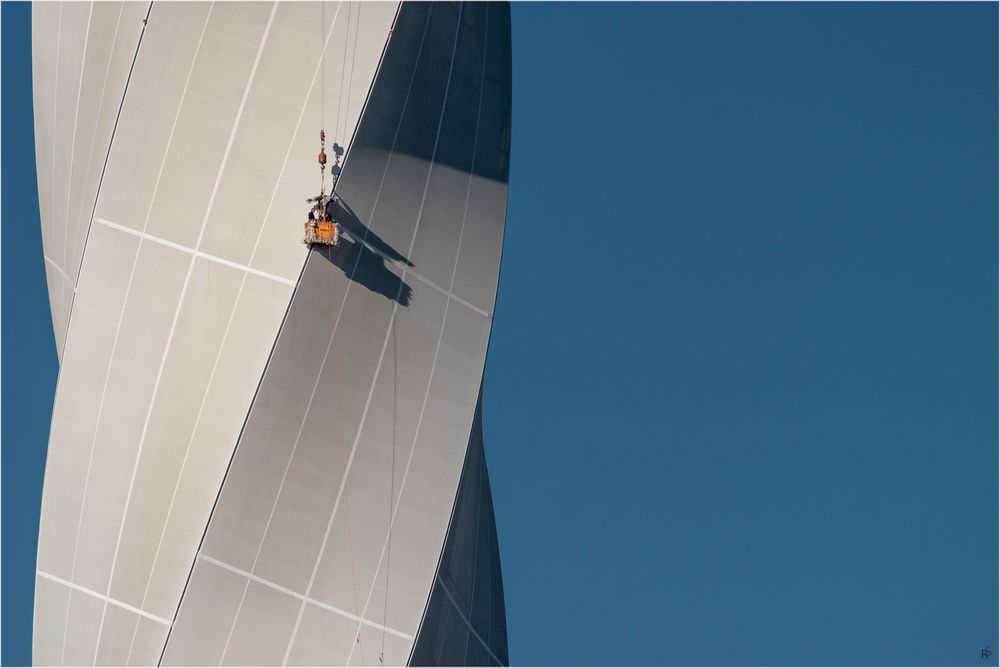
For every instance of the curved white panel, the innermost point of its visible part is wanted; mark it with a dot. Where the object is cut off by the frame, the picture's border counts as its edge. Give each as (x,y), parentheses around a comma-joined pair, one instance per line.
(181,278)
(336,507)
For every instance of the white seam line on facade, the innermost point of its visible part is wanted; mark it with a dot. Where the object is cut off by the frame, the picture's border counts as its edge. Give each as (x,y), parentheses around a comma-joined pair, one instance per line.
(435,286)
(466,620)
(444,318)
(479,529)
(121,316)
(302,597)
(343,484)
(76,121)
(281,485)
(291,456)
(104,164)
(52,208)
(64,328)
(295,133)
(187,452)
(177,311)
(191,251)
(239,293)
(52,183)
(454,271)
(264,274)
(101,597)
(184,287)
(52,203)
(413,445)
(57,268)
(284,475)
(183,293)
(378,195)
(152,569)
(97,120)
(467,305)
(267,213)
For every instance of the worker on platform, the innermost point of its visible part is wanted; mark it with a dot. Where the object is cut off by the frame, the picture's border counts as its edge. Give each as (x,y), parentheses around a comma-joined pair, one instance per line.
(319,206)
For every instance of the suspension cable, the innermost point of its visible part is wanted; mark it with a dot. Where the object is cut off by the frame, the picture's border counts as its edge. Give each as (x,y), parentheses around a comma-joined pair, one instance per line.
(343,69)
(322,105)
(322,63)
(354,58)
(392,490)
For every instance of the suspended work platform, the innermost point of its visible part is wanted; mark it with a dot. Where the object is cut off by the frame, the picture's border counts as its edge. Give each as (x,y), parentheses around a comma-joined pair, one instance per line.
(321,228)
(325,232)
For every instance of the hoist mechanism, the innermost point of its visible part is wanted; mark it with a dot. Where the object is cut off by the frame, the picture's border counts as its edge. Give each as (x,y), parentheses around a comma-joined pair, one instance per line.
(322,228)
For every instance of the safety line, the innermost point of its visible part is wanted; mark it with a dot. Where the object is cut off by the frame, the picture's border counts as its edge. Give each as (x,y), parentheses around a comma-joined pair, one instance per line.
(413,240)
(260,545)
(392,486)
(350,459)
(444,320)
(298,619)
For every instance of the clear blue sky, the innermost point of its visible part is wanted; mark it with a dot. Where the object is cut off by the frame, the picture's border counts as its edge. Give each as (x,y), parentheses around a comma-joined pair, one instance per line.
(741,398)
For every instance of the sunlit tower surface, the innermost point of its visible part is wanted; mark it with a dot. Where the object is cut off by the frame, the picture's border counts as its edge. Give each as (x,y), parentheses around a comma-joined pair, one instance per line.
(264,451)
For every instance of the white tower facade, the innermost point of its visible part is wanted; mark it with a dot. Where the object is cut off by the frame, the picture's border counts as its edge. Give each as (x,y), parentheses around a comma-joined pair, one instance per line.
(257,448)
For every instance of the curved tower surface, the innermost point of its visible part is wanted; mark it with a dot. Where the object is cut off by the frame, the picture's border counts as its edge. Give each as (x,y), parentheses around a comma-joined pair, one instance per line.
(264,453)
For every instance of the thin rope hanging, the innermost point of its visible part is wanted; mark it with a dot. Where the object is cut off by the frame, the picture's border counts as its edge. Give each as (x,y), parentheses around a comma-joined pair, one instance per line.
(392,488)
(343,69)
(322,113)
(322,64)
(322,110)
(354,58)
